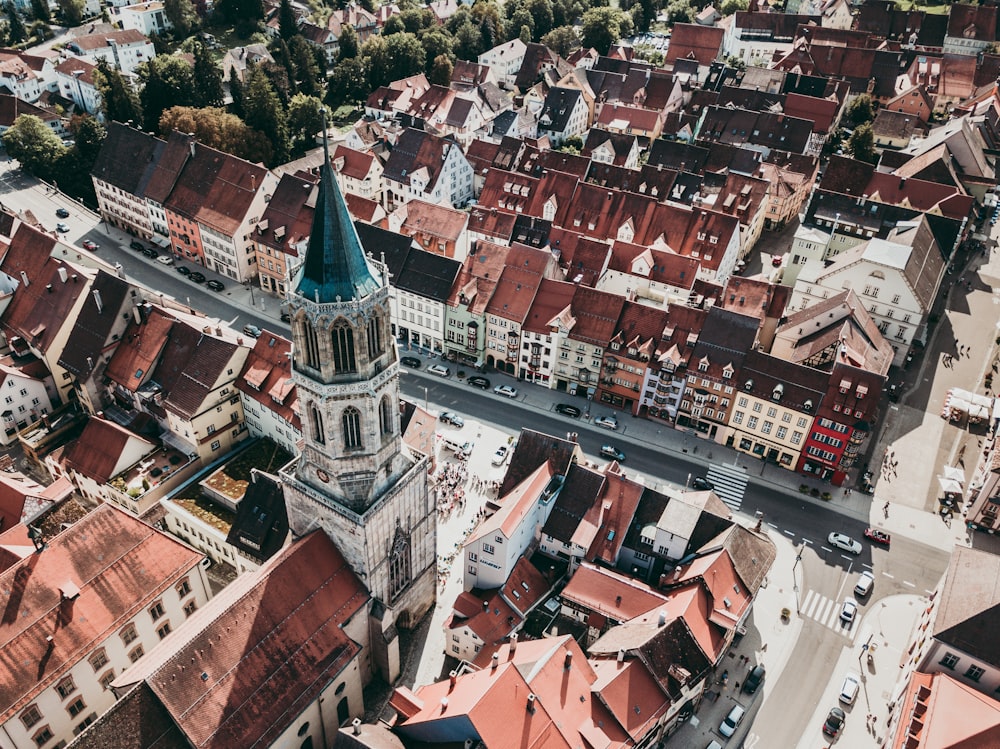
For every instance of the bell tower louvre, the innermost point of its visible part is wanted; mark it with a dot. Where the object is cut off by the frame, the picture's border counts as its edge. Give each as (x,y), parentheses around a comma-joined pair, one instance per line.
(354,477)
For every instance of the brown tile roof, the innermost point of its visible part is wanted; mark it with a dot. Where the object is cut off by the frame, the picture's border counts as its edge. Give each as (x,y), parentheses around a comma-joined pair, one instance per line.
(118,563)
(266,647)
(694,42)
(354,164)
(552,298)
(137,720)
(96,323)
(478,276)
(74,65)
(518,284)
(169,167)
(97,453)
(596,314)
(977,22)
(11,108)
(612,515)
(435,220)
(192,366)
(142,344)
(267,377)
(38,311)
(533,450)
(287,220)
(970,601)
(99,41)
(617,597)
(493,223)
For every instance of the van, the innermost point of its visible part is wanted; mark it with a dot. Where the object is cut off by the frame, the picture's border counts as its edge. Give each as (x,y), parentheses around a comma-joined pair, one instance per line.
(849,690)
(866,580)
(459,448)
(165,260)
(440,371)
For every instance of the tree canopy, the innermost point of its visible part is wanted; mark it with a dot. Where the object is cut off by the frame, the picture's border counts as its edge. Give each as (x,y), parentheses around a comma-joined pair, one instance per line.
(168,81)
(216,128)
(117,98)
(72,11)
(563,40)
(262,111)
(603,27)
(861,144)
(33,143)
(183,16)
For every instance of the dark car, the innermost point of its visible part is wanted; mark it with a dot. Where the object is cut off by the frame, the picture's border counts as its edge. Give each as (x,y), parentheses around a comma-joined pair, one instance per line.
(479,382)
(702,484)
(411,361)
(567,410)
(62,213)
(137,246)
(183,270)
(252,330)
(150,253)
(834,722)
(753,680)
(216,285)
(196,276)
(610,451)
(285,317)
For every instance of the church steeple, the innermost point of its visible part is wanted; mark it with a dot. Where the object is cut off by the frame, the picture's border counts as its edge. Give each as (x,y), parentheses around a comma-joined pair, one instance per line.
(335,266)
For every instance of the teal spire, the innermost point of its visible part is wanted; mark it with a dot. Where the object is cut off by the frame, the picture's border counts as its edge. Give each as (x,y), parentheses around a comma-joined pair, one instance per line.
(335,264)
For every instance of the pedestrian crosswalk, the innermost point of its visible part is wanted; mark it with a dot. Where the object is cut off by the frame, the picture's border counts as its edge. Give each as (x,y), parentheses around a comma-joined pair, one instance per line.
(826,612)
(730,483)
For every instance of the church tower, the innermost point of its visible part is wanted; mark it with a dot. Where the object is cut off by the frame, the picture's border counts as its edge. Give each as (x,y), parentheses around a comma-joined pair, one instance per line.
(354,477)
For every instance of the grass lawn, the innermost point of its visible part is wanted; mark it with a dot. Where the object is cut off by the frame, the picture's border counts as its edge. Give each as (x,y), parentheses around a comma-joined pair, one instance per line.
(232,479)
(218,517)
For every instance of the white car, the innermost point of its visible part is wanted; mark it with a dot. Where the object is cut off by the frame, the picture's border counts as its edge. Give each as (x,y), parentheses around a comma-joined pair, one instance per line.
(608,422)
(62,228)
(866,581)
(452,418)
(849,691)
(437,369)
(505,390)
(845,542)
(849,610)
(732,721)
(500,455)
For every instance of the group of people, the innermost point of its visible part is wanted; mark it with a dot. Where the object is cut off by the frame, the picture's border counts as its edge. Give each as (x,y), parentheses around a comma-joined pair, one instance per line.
(448,484)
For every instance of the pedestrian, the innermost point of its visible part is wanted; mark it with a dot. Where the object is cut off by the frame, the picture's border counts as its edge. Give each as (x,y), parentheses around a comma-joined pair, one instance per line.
(737,686)
(885,509)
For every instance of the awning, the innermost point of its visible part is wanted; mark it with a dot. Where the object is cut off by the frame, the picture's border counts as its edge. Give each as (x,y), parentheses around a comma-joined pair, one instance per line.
(949,486)
(956,474)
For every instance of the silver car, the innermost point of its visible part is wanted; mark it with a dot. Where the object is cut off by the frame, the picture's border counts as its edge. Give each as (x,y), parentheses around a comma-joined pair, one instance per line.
(844,542)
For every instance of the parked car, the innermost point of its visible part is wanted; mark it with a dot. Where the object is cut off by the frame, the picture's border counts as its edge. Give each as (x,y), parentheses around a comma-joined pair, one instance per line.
(151,253)
(88,245)
(500,455)
(183,270)
(215,285)
(252,330)
(866,581)
(165,260)
(732,721)
(849,689)
(62,213)
(454,419)
(479,382)
(610,451)
(62,228)
(196,276)
(411,361)
(848,610)
(505,390)
(844,542)
(877,537)
(834,722)
(608,422)
(440,371)
(136,245)
(567,410)
(702,484)
(754,679)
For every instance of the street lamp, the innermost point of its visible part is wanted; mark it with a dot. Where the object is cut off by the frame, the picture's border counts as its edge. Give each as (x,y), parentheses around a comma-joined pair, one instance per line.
(424,388)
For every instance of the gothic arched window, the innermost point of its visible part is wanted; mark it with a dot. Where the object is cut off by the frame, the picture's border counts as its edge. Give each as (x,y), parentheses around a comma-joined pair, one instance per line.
(351,421)
(385,415)
(342,343)
(375,337)
(316,419)
(399,563)
(311,344)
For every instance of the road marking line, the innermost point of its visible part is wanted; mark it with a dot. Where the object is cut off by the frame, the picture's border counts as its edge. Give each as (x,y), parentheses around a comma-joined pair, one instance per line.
(825,548)
(891,577)
(807,541)
(907,582)
(854,634)
(772,525)
(867,566)
(827,608)
(810,599)
(849,559)
(928,592)
(789,534)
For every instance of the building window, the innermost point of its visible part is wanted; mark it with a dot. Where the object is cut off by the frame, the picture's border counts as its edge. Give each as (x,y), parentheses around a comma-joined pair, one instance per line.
(98,660)
(189,608)
(950,660)
(43,736)
(66,687)
(163,630)
(30,716)
(375,337)
(316,422)
(156,610)
(385,416)
(974,673)
(342,343)
(183,588)
(488,549)
(128,634)
(76,707)
(399,563)
(738,417)
(351,424)
(312,345)
(106,678)
(136,654)
(752,422)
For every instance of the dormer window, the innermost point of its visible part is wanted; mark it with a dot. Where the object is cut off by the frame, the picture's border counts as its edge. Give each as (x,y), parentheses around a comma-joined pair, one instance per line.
(779,390)
(728,372)
(703,365)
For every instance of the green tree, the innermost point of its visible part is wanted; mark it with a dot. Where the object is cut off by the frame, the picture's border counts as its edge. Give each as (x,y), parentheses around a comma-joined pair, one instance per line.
(487,15)
(861,144)
(207,79)
(541,17)
(288,25)
(16,33)
(347,43)
(521,17)
(603,27)
(680,11)
(348,83)
(393,25)
(441,71)
(217,128)
(488,33)
(168,81)
(436,42)
(861,110)
(263,112)
(305,119)
(246,14)
(729,7)
(406,56)
(563,40)
(41,11)
(72,11)
(375,57)
(33,143)
(308,76)
(183,16)
(236,91)
(468,42)
(75,165)
(118,100)
(416,20)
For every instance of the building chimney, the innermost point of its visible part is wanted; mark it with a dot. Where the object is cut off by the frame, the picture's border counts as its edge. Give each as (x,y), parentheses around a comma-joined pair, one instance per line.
(98,301)
(24,278)
(513,643)
(568,660)
(48,287)
(494,662)
(486,605)
(444,704)
(63,275)
(452,680)
(531,703)
(621,655)
(218,330)
(662,618)
(356,726)
(191,144)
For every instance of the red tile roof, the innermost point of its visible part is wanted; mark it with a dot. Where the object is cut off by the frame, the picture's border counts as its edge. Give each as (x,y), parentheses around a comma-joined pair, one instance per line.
(351,163)
(514,506)
(40,309)
(119,564)
(691,41)
(72,65)
(265,647)
(615,596)
(141,346)
(631,693)
(434,220)
(267,377)
(98,451)
(287,220)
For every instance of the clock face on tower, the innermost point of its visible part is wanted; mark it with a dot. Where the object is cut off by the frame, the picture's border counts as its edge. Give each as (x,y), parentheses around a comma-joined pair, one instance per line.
(322,475)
